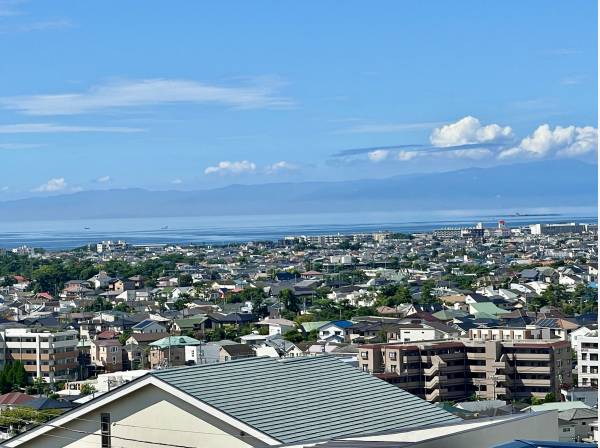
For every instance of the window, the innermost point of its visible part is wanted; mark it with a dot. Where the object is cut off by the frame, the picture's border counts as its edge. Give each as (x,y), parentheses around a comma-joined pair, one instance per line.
(105,429)
(365,368)
(364,355)
(393,356)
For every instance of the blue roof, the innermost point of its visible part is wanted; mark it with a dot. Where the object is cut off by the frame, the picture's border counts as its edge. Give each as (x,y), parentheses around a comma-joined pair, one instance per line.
(342,323)
(544,444)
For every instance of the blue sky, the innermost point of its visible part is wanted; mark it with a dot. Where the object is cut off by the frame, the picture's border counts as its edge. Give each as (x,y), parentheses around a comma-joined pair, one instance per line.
(193,95)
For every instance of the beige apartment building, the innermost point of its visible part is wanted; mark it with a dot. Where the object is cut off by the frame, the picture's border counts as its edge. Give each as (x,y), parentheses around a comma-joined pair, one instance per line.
(51,356)
(456,370)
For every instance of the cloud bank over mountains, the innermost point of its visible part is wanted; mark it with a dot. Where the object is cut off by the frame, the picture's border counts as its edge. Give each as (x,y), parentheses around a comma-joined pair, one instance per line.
(468,138)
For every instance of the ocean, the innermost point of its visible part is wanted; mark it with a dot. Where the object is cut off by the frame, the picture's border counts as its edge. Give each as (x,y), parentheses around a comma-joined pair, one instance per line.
(66,234)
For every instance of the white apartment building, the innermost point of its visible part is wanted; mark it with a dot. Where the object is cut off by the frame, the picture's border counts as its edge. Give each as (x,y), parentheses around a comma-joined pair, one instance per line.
(51,356)
(587,360)
(555,229)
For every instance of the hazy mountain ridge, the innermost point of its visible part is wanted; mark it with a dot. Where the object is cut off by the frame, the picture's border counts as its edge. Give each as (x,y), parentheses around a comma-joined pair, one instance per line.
(535,184)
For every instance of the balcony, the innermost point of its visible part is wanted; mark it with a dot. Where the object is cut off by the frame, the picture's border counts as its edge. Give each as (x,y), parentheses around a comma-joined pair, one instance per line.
(475,355)
(436,395)
(533,369)
(532,356)
(533,383)
(434,382)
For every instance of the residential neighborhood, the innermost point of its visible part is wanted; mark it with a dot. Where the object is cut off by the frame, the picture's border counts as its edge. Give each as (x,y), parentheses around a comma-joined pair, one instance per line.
(461,326)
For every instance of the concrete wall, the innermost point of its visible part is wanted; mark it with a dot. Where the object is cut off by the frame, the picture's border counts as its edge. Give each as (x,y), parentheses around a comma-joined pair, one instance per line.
(149,407)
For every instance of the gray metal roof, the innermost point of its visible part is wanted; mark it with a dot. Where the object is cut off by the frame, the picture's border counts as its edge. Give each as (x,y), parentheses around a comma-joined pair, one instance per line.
(302,399)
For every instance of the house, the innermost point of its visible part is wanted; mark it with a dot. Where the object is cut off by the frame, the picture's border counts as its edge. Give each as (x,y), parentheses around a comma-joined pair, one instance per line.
(136,348)
(12,399)
(171,351)
(138,281)
(278,326)
(575,419)
(223,351)
(149,326)
(577,424)
(556,327)
(100,280)
(335,331)
(199,323)
(107,355)
(486,309)
(120,285)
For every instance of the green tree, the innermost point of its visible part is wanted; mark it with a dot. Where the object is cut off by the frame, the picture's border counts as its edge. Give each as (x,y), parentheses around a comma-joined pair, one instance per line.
(185,280)
(426,291)
(290,300)
(19,375)
(293,336)
(87,389)
(124,336)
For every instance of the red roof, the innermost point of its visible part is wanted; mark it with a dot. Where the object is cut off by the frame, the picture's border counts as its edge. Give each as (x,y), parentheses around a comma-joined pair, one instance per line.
(14,398)
(44,295)
(107,334)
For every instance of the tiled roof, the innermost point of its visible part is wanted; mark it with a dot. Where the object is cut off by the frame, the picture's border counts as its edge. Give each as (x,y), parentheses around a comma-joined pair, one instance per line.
(291,399)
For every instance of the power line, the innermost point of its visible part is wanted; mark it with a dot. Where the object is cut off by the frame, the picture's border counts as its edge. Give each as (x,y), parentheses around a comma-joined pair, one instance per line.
(100,435)
(154,428)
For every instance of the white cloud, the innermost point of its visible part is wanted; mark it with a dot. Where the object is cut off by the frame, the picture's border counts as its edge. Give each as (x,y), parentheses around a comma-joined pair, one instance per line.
(469,130)
(49,128)
(227,167)
(278,167)
(378,155)
(54,184)
(103,179)
(476,153)
(561,141)
(176,181)
(4,188)
(147,92)
(406,155)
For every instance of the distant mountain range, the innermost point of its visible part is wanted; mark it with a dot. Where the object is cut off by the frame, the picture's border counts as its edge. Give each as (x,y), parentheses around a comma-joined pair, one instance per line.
(550,183)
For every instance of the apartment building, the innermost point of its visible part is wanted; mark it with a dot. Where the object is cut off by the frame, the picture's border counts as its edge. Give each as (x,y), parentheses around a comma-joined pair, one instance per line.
(556,229)
(506,333)
(51,356)
(458,369)
(587,360)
